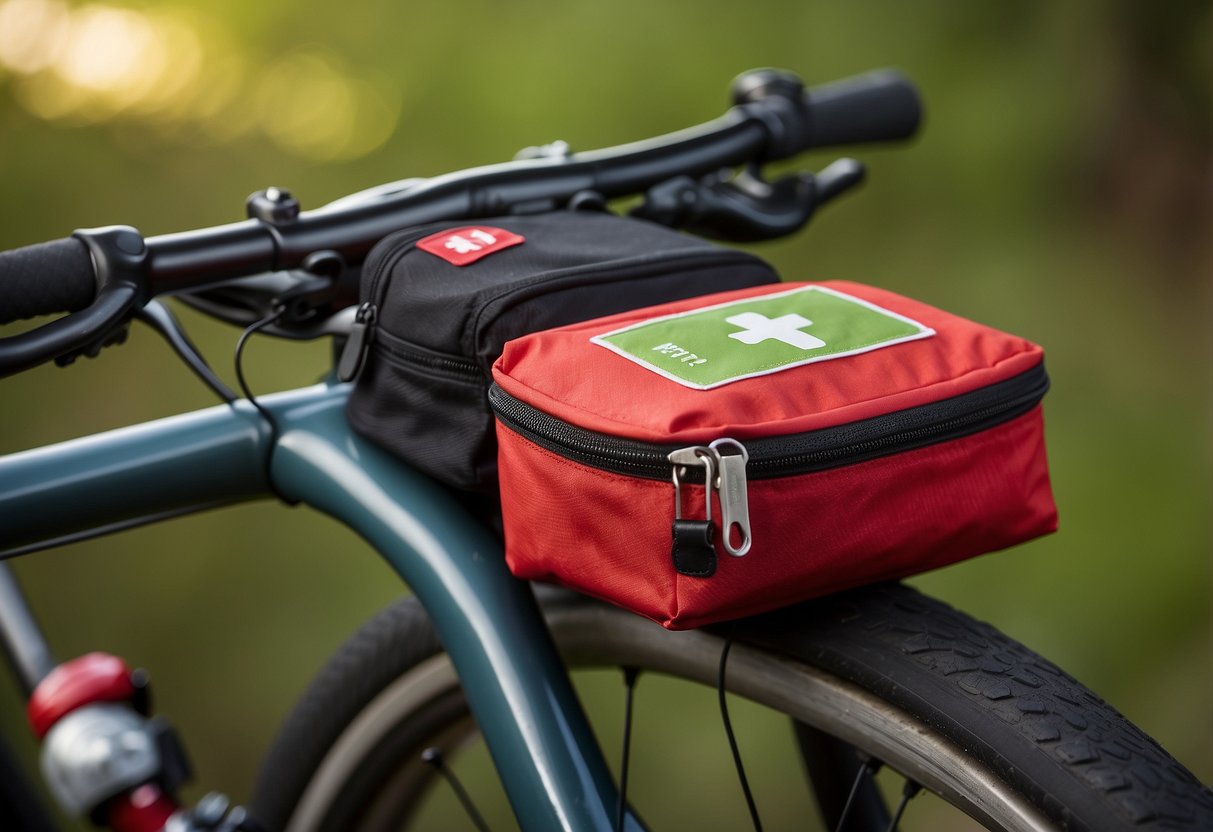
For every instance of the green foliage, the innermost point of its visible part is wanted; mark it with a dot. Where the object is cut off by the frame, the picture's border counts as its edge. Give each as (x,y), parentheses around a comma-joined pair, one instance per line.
(1058,190)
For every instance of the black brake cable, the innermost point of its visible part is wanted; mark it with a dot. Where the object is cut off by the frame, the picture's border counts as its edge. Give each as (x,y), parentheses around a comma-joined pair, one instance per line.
(728,729)
(270,420)
(161,320)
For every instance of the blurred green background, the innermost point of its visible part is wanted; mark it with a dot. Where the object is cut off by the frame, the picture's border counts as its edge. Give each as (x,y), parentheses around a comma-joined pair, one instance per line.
(1060,189)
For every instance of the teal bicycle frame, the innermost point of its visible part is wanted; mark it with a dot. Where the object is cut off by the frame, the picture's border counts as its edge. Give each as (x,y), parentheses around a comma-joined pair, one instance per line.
(489,623)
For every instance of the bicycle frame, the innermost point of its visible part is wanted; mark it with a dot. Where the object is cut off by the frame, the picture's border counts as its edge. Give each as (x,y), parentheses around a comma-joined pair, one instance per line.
(489,623)
(515,682)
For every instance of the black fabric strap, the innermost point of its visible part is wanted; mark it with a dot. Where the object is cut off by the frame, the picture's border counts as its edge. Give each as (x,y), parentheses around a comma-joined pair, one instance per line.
(694,554)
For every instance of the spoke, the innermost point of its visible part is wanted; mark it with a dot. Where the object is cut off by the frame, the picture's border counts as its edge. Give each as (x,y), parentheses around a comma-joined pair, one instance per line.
(433,757)
(728,729)
(908,793)
(630,674)
(869,769)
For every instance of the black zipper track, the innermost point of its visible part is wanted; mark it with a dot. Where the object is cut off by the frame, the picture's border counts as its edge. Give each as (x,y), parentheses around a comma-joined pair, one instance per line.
(786,456)
(399,351)
(406,242)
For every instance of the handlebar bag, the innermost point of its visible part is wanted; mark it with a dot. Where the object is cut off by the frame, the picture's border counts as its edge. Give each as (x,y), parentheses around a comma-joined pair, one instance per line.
(717,457)
(440,301)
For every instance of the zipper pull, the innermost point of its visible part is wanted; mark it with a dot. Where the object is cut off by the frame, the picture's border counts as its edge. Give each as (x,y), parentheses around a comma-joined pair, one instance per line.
(693,552)
(683,459)
(734,500)
(362,332)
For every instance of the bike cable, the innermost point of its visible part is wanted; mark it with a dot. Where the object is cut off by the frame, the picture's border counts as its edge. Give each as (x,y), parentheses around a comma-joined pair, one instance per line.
(251,330)
(728,730)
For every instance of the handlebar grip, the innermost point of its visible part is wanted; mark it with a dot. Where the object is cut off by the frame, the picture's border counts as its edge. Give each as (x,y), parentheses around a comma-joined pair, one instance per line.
(878,106)
(46,278)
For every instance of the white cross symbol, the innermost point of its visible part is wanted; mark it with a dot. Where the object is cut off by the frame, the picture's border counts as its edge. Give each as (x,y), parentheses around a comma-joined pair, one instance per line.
(462,245)
(785,328)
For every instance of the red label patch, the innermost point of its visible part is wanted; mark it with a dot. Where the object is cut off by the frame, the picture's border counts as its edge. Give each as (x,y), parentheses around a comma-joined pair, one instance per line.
(462,246)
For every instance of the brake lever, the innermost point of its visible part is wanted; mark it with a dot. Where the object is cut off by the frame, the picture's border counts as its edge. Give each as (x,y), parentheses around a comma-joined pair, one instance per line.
(837,178)
(120,258)
(161,320)
(746,207)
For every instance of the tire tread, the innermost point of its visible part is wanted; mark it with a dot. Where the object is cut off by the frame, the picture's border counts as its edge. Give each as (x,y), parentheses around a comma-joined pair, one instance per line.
(887,638)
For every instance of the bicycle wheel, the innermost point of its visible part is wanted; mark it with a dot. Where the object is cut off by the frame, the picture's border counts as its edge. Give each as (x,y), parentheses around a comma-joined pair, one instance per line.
(880,674)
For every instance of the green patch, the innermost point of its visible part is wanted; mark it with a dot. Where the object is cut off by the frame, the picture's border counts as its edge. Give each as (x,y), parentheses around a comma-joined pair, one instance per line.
(708,347)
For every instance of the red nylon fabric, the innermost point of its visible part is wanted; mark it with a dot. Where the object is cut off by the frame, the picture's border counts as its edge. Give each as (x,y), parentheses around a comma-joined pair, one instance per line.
(609,535)
(561,373)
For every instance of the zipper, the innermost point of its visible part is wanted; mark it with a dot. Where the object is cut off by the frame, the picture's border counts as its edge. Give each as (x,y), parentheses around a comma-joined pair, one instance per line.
(725,465)
(786,456)
(405,243)
(398,350)
(353,354)
(723,475)
(362,332)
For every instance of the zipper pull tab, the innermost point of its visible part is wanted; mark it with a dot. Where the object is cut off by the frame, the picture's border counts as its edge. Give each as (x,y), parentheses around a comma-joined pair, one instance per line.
(683,459)
(734,500)
(694,553)
(362,332)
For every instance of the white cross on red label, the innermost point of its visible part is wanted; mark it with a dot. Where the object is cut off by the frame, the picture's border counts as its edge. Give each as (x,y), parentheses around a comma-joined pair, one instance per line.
(466,245)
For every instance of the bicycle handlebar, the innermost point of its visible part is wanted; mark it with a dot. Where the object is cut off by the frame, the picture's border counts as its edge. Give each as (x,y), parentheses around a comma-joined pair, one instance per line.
(878,106)
(774,118)
(881,105)
(28,292)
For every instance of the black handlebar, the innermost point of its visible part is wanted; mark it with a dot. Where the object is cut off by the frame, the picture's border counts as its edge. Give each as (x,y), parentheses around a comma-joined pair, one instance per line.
(878,106)
(46,278)
(775,118)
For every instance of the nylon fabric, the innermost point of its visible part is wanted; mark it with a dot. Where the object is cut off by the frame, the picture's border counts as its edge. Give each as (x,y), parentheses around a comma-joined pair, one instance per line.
(964,493)
(442,320)
(564,375)
(608,535)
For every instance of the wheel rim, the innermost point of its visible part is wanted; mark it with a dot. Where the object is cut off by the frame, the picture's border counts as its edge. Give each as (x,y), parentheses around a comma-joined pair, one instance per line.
(592,635)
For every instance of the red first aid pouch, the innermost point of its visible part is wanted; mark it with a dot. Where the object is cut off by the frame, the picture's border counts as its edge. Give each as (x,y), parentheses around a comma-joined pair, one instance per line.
(721,456)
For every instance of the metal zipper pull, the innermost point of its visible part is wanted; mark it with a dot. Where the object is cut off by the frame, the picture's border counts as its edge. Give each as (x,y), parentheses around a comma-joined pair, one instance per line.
(683,459)
(731,458)
(362,332)
(694,552)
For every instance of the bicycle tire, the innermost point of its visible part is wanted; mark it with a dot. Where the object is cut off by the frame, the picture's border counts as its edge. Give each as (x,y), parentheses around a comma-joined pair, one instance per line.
(974,716)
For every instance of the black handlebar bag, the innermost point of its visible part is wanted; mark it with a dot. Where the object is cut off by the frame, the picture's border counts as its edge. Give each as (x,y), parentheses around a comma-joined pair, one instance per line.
(440,301)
